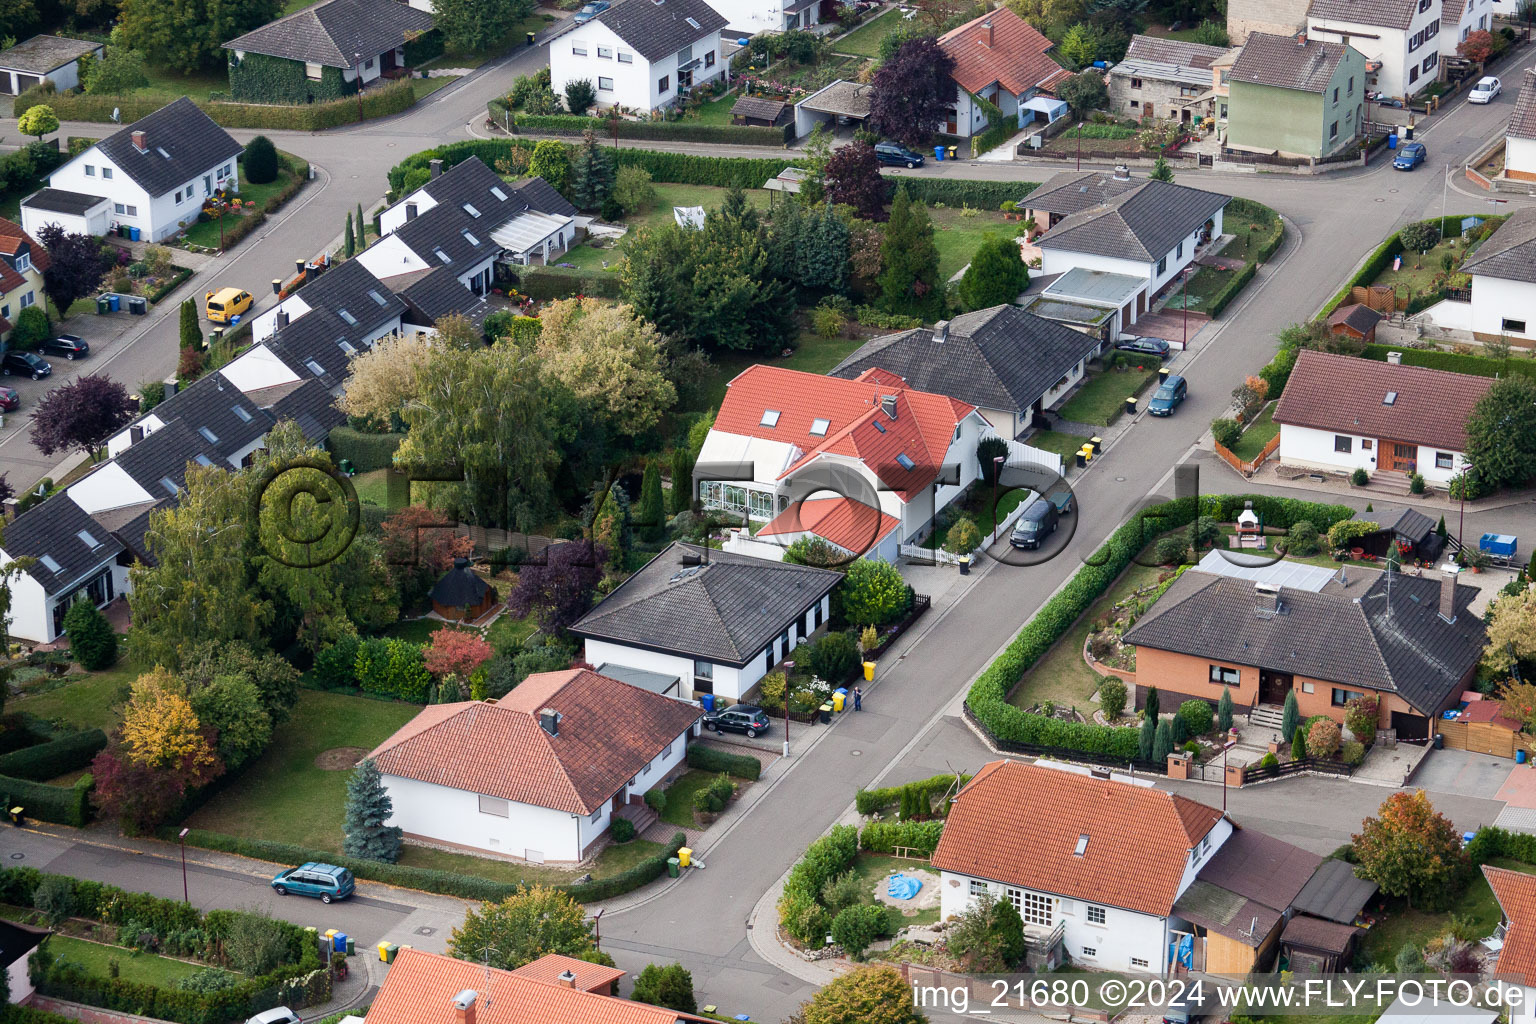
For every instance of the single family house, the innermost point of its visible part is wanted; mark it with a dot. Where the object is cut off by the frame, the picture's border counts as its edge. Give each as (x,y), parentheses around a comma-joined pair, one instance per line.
(1004,60)
(1166,78)
(1520,136)
(41,59)
(641,54)
(1067,192)
(1515,938)
(22,262)
(749,17)
(1275,17)
(1503,271)
(1295,96)
(1398,38)
(17,941)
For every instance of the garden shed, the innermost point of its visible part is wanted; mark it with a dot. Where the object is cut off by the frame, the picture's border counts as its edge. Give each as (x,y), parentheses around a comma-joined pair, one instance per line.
(763,113)
(461,594)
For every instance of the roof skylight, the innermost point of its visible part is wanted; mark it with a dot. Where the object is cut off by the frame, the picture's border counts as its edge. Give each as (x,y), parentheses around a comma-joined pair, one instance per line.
(770,418)
(819,427)
(904,462)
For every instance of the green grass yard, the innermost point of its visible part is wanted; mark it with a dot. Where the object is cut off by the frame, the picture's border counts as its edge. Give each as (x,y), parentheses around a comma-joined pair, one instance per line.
(1104,395)
(1200,288)
(813,355)
(717,110)
(1065,445)
(679,809)
(864,41)
(132,965)
(89,701)
(208,234)
(1259,433)
(957,236)
(614,860)
(875,868)
(1418,272)
(174,84)
(1402,924)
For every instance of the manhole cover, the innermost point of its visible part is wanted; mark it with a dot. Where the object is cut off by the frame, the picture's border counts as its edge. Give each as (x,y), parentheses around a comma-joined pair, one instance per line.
(1119,479)
(1393,191)
(424,930)
(856,753)
(18,856)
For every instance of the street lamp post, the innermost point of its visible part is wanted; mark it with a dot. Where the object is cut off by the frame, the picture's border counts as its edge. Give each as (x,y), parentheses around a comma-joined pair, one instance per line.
(997,471)
(597,924)
(1184,301)
(789,666)
(1224,748)
(183,839)
(1079,145)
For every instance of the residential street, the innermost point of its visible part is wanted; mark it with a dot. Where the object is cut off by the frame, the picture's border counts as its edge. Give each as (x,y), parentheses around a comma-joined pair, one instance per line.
(910,727)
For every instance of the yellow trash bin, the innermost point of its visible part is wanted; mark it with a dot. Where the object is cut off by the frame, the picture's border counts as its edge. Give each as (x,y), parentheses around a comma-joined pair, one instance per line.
(837,702)
(869,671)
(684,856)
(330,933)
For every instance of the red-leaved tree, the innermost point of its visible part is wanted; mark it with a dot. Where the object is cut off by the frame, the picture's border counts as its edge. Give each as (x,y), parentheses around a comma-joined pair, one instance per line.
(1409,849)
(558,588)
(456,652)
(82,414)
(141,797)
(913,92)
(853,177)
(1478,46)
(420,545)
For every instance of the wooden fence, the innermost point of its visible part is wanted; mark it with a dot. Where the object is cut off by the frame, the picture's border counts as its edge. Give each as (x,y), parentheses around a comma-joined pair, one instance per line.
(1479,738)
(1248,468)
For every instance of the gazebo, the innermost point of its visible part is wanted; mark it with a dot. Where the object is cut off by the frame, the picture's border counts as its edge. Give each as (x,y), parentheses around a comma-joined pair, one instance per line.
(461,595)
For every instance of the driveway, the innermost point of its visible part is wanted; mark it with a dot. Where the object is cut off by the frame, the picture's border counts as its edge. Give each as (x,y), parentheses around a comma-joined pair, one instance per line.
(1463,773)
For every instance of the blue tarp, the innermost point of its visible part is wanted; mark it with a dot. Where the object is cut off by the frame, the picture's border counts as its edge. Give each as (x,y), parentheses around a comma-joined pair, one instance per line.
(902,887)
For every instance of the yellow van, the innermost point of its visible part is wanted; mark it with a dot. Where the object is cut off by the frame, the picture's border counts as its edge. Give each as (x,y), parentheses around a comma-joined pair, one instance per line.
(225,305)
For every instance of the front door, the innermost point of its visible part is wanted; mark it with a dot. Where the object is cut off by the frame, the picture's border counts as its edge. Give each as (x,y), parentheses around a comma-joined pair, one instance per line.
(1400,457)
(1273,686)
(618,800)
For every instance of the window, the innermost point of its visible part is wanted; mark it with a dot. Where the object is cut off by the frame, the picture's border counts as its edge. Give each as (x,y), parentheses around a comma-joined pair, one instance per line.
(1513,326)
(348,317)
(1350,90)
(313,71)
(88,540)
(128,211)
(1365,444)
(493,805)
(240,413)
(770,418)
(5,312)
(1445,460)
(685,55)
(605,53)
(208,435)
(709,59)
(1308,687)
(1090,951)
(28,299)
(703,669)
(169,485)
(1224,675)
(1335,94)
(579,51)
(1138,962)
(978,887)
(626,58)
(1135,83)
(693,23)
(1343,444)
(904,461)
(1162,265)
(664,84)
(469,237)
(1036,909)
(1431,61)
(1135,104)
(819,427)
(596,815)
(1413,73)
(1096,915)
(106,172)
(23,262)
(178,197)
(368,63)
(1178,253)
(604,84)
(90,171)
(498,193)
(1341,696)
(1333,130)
(443,256)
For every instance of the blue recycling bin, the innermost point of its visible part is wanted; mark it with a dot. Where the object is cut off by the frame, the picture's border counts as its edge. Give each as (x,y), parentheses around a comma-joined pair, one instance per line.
(1519,757)
(339,942)
(938,152)
(1392,141)
(133,234)
(115,301)
(708,700)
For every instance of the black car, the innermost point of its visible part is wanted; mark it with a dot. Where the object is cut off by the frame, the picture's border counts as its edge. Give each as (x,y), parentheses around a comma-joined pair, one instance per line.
(747,718)
(68,346)
(25,364)
(1038,522)
(898,155)
(1145,346)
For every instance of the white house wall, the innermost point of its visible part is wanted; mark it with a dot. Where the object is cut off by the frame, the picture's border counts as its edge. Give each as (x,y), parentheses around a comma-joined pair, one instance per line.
(157,217)
(265,325)
(454,816)
(31,611)
(1306,446)
(93,222)
(1474,16)
(1390,46)
(1494,299)
(149,423)
(20,987)
(1520,155)
(390,257)
(634,84)
(1219,834)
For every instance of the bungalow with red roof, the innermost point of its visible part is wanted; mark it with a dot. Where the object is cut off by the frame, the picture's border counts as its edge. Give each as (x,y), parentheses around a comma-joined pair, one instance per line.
(1514,940)
(1004,60)
(539,774)
(22,262)
(784,438)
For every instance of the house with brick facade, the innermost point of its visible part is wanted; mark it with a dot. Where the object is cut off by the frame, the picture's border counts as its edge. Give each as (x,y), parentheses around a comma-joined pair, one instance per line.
(1411,641)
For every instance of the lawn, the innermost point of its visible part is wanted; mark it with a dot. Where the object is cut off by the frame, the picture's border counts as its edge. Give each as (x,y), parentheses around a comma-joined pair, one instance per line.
(957,236)
(813,355)
(1418,273)
(1245,240)
(1259,433)
(515,36)
(424,87)
(614,860)
(88,701)
(1066,445)
(417,631)
(207,234)
(507,633)
(132,965)
(1401,924)
(372,487)
(679,809)
(986,520)
(864,41)
(717,110)
(173,84)
(285,796)
(875,868)
(1200,288)
(1104,395)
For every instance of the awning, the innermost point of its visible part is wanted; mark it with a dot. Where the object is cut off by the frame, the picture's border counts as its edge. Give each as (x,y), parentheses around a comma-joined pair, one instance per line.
(1050,106)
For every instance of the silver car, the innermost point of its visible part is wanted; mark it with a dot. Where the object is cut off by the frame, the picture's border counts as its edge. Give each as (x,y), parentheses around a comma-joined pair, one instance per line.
(1485,90)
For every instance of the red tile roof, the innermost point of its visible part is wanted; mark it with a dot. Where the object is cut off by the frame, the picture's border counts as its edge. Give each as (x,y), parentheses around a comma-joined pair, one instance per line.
(589,977)
(9,279)
(1011,53)
(420,989)
(1020,824)
(1490,711)
(1335,392)
(851,525)
(607,733)
(1516,893)
(11,237)
(857,427)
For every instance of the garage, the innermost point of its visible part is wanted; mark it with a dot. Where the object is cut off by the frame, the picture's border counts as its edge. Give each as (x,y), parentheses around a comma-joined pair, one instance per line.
(75,212)
(56,58)
(1410,726)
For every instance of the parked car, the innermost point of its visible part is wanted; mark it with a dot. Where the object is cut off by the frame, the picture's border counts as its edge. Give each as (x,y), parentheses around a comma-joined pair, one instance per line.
(25,364)
(9,400)
(896,154)
(747,718)
(67,345)
(1410,155)
(225,305)
(591,11)
(326,881)
(1145,346)
(1169,396)
(276,1015)
(1485,90)
(1038,522)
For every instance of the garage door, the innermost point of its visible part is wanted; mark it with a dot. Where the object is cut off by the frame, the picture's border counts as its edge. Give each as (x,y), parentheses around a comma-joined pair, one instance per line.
(25,82)
(1410,727)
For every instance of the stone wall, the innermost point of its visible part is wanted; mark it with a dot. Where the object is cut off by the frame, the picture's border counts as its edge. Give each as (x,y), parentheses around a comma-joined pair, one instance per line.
(1281,17)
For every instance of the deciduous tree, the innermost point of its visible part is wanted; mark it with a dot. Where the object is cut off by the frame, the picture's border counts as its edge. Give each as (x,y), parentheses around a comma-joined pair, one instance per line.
(1501,434)
(1411,850)
(1511,636)
(996,275)
(550,162)
(369,807)
(853,177)
(420,544)
(75,266)
(864,995)
(82,414)
(872,593)
(609,359)
(477,24)
(231,707)
(39,120)
(670,986)
(1084,92)
(91,639)
(120,72)
(558,590)
(188,35)
(160,730)
(383,379)
(1478,46)
(913,92)
(456,652)
(531,923)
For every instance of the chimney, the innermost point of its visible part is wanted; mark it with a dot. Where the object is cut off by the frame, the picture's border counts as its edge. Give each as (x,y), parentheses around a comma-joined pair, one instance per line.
(437,167)
(1395,358)
(888,403)
(464,1006)
(1266,600)
(1122,172)
(941,332)
(549,721)
(1448,593)
(567,978)
(1301,40)
(410,211)
(139,143)
(135,435)
(282,319)
(988,26)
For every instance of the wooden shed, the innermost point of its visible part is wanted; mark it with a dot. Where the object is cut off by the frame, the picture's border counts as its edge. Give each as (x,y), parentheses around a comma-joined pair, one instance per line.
(461,595)
(1356,320)
(760,112)
(1310,945)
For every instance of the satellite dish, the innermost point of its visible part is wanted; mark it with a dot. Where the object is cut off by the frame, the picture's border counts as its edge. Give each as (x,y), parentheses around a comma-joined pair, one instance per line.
(116,116)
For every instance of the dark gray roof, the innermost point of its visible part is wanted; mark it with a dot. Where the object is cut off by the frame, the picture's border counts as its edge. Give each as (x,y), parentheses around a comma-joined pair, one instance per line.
(1070,191)
(1356,315)
(439,293)
(1279,62)
(131,523)
(1226,913)
(334,31)
(180,143)
(460,587)
(1410,525)
(58,200)
(1143,224)
(999,358)
(51,530)
(450,229)
(1522,123)
(312,406)
(1161,50)
(728,611)
(1510,252)
(659,29)
(540,195)
(1342,633)
(17,940)
(214,404)
(322,335)
(42,54)
(1396,14)
(164,454)
(1335,893)
(759,107)
(1260,867)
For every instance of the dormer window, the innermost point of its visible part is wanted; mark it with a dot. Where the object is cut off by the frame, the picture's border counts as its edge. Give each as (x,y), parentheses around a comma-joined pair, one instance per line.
(770,418)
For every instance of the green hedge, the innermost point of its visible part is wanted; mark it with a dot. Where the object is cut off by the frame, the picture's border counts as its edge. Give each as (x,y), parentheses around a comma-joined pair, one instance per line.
(1491,842)
(1374,264)
(1434,359)
(1251,212)
(14,1014)
(562,282)
(885,836)
(309,117)
(869,801)
(711,760)
(423,48)
(984,195)
(169,285)
(366,451)
(447,883)
(285,986)
(800,909)
(62,805)
(679,131)
(1229,291)
(50,760)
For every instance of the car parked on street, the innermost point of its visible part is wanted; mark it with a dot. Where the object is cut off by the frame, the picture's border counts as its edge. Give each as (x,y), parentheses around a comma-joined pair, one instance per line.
(897,155)
(327,881)
(1485,90)
(1145,346)
(1410,155)
(25,364)
(1038,522)
(1169,396)
(747,718)
(276,1015)
(226,305)
(67,345)
(10,401)
(590,11)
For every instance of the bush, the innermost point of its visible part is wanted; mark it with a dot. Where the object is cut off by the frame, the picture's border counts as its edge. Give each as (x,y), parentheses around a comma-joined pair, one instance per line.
(91,639)
(1269,761)
(885,836)
(1361,716)
(1302,539)
(1323,738)
(31,329)
(711,760)
(633,190)
(393,668)
(1342,533)
(366,452)
(824,860)
(962,192)
(1197,716)
(260,161)
(1226,431)
(1112,697)
(856,927)
(60,756)
(827,322)
(964,536)
(1354,753)
(1359,477)
(656,800)
(622,830)
(834,657)
(1416,483)
(870,801)
(1172,549)
(336,666)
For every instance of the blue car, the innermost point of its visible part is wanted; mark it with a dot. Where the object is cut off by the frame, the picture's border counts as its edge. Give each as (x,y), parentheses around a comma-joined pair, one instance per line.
(327,881)
(1410,155)
(590,11)
(1169,396)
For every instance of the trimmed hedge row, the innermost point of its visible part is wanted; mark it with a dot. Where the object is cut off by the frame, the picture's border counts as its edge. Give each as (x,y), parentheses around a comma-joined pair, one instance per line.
(800,909)
(987,700)
(382,102)
(885,836)
(984,195)
(284,986)
(869,801)
(167,286)
(366,451)
(1229,290)
(1492,841)
(1374,264)
(446,883)
(561,283)
(709,759)
(1434,359)
(62,805)
(54,758)
(680,131)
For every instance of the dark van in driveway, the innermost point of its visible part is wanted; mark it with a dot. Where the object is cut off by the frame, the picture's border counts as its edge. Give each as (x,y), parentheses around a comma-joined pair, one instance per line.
(1037,523)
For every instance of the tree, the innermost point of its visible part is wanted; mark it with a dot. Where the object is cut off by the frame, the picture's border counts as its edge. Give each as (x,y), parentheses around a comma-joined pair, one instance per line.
(909,280)
(1162,740)
(91,639)
(988,451)
(1477,47)
(1084,92)
(579,96)
(32,328)
(1151,704)
(260,161)
(1420,236)
(607,358)
(1212,33)
(231,706)
(191,332)
(1146,739)
(54,898)
(1411,850)
(873,593)
(476,24)
(275,680)
(38,120)
(550,162)
(651,516)
(420,545)
(456,652)
(1290,717)
(137,796)
(864,995)
(369,806)
(560,590)
(913,92)
(1501,434)
(118,73)
(1160,169)
(74,266)
(348,241)
(82,414)
(1224,710)
(362,229)
(160,730)
(532,922)
(670,986)
(852,176)
(592,173)
(996,275)
(1323,738)
(188,35)
(1112,695)
(682,481)
(383,380)
(1511,634)
(633,189)
(1079,46)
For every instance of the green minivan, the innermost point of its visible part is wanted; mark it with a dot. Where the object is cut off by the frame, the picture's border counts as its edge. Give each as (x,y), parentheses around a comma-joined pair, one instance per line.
(326,881)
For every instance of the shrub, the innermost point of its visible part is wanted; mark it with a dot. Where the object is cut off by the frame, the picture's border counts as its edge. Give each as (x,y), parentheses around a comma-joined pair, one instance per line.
(1361,716)
(1416,483)
(1302,539)
(844,891)
(1197,716)
(856,927)
(336,666)
(54,898)
(885,836)
(869,801)
(1112,697)
(656,799)
(633,190)
(827,322)
(1341,534)
(1359,477)
(873,593)
(964,536)
(1224,710)
(365,451)
(824,860)
(1172,549)
(1353,753)
(1323,738)
(1269,761)
(91,639)
(393,668)
(31,329)
(1226,431)
(622,830)
(711,760)
(834,657)
(260,161)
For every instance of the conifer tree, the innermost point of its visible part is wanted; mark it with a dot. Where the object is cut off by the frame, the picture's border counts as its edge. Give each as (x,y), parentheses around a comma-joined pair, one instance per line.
(1147,740)
(909,261)
(651,515)
(368,808)
(348,243)
(1162,741)
(1224,710)
(191,331)
(682,480)
(1291,717)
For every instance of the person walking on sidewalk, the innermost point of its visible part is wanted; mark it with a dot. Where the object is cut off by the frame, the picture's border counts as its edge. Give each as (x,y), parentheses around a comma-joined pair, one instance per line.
(858,698)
